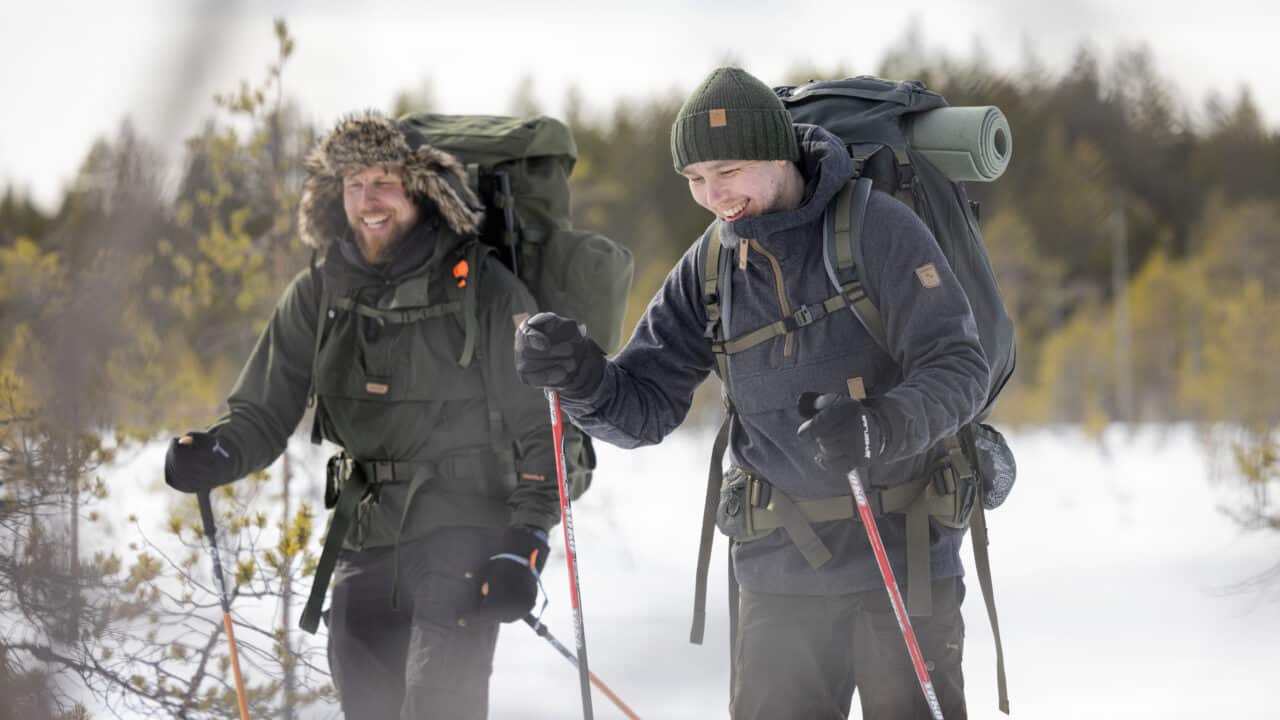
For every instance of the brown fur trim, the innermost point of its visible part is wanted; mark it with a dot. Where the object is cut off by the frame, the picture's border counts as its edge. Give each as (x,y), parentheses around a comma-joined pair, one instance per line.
(371,139)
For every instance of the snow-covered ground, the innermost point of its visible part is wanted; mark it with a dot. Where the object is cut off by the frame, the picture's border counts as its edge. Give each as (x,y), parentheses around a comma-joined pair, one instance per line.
(1111,563)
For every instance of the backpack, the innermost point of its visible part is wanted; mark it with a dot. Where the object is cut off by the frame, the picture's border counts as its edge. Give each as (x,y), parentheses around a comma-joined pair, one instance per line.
(519,168)
(922,159)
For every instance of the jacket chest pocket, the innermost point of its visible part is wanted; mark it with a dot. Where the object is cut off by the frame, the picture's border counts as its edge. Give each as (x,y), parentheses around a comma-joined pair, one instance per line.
(773,389)
(364,359)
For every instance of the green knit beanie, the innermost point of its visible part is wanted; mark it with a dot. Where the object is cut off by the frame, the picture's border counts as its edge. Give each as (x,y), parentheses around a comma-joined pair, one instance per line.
(732,116)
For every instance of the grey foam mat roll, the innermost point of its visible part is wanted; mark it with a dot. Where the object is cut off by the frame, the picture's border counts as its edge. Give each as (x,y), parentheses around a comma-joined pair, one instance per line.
(966,143)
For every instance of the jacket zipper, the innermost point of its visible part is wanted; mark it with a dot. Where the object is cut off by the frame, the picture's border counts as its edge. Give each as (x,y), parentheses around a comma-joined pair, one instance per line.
(782,293)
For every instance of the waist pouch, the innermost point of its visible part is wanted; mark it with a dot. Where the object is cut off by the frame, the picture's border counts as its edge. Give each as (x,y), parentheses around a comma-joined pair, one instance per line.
(742,496)
(750,508)
(995,464)
(974,466)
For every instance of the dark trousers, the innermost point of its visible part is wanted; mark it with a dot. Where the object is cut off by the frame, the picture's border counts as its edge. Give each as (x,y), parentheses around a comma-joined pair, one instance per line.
(802,656)
(427,659)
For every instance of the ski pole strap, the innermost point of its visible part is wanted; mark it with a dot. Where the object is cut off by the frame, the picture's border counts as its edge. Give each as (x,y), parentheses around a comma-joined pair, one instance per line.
(353,490)
(715,476)
(982,561)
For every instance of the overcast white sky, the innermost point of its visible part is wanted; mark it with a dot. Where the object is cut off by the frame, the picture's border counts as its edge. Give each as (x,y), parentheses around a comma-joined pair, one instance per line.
(73,71)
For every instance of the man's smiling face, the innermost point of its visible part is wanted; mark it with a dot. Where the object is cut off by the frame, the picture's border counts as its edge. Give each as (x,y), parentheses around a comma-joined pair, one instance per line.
(733,189)
(378,209)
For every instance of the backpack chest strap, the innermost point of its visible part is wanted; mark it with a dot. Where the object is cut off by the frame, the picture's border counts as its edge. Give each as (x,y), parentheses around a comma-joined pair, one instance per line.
(397,316)
(803,317)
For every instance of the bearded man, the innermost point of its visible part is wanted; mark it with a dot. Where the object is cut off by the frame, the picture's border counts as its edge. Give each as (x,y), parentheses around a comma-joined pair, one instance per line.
(401,340)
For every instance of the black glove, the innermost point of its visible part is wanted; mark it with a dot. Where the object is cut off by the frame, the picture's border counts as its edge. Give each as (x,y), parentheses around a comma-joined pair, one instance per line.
(847,432)
(552,352)
(509,580)
(199,462)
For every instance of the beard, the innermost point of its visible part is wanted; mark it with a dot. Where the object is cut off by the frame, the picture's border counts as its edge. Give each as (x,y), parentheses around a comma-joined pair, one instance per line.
(379,246)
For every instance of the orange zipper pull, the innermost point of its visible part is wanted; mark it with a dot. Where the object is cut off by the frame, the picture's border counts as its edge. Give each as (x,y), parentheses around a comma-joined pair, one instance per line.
(743,246)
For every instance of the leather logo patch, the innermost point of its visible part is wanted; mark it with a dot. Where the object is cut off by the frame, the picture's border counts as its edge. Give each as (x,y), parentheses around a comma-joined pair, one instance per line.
(857,388)
(928,276)
(377,388)
(718,118)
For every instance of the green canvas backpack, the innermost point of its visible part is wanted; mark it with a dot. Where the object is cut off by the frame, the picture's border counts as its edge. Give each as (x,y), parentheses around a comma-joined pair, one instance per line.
(519,168)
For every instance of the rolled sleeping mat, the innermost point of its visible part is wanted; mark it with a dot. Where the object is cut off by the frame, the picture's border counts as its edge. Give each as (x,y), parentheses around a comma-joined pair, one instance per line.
(969,144)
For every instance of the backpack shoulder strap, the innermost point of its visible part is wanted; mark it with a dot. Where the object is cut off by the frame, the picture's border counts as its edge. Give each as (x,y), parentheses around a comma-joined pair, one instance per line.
(842,253)
(466,276)
(715,304)
(712,298)
(322,316)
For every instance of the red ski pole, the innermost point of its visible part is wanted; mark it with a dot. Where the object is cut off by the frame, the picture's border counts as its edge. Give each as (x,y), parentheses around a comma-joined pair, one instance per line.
(891,585)
(570,552)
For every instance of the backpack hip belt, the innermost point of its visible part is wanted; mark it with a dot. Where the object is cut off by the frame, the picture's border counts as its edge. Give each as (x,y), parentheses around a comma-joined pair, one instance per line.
(750,508)
(349,484)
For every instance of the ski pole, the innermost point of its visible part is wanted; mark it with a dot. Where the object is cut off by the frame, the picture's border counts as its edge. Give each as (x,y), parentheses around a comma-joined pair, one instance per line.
(570,551)
(210,532)
(891,584)
(544,633)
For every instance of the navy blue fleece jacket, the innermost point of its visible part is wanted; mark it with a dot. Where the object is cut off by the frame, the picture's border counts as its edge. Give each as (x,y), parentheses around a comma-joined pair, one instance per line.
(932,380)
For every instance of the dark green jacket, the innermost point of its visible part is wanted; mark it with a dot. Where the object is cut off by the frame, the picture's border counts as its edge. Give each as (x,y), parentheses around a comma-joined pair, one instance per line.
(389,391)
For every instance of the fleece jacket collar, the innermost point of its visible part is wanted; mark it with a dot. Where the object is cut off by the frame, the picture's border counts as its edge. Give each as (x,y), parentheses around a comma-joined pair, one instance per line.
(825,165)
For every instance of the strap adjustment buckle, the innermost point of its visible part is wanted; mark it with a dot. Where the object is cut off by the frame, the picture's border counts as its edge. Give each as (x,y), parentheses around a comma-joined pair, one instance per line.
(804,316)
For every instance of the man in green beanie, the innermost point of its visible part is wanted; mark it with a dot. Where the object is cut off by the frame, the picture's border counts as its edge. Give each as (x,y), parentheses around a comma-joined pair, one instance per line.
(815,621)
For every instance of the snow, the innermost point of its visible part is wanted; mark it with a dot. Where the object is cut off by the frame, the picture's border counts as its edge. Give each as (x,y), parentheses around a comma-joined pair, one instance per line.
(1112,564)
(1110,560)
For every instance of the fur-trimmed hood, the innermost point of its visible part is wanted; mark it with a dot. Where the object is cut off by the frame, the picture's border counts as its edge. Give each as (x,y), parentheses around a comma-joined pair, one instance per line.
(433,178)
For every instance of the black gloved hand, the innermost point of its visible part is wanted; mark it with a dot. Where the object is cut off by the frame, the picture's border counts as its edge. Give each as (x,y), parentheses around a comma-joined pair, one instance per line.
(198,462)
(552,352)
(848,434)
(509,580)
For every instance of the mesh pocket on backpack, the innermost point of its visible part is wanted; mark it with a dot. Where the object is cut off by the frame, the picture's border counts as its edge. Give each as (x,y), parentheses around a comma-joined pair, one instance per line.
(996,465)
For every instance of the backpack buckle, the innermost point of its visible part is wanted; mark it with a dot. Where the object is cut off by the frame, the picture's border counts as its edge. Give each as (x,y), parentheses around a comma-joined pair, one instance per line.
(804,316)
(759,491)
(712,330)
